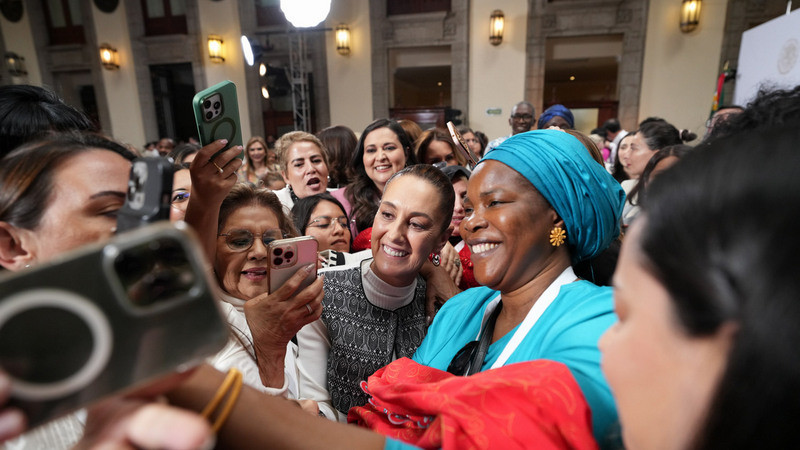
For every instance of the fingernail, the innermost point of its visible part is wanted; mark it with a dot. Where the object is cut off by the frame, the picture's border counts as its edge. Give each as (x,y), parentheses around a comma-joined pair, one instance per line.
(223,141)
(309,268)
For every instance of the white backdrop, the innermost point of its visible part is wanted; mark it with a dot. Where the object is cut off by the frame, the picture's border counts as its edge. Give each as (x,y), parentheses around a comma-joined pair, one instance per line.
(769,56)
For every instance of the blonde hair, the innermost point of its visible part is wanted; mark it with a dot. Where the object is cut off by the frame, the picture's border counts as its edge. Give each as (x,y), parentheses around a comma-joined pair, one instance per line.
(285,142)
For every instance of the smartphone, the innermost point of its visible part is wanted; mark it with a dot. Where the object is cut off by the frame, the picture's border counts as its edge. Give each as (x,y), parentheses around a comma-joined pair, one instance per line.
(149,193)
(462,146)
(107,318)
(216,113)
(287,256)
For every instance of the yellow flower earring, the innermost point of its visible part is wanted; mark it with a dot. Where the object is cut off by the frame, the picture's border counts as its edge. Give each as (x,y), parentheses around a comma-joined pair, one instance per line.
(557,236)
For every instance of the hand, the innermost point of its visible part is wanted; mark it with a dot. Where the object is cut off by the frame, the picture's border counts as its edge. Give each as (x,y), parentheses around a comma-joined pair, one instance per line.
(138,423)
(275,318)
(12,421)
(209,188)
(209,185)
(451,263)
(439,288)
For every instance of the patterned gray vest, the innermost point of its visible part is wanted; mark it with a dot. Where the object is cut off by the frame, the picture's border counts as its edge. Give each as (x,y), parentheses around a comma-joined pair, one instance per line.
(364,336)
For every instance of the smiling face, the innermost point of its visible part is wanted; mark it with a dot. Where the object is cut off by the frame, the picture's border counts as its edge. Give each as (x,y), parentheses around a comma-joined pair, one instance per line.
(256,153)
(407,228)
(460,186)
(521,118)
(638,156)
(82,209)
(306,170)
(334,236)
(662,378)
(507,227)
(383,156)
(243,274)
(439,151)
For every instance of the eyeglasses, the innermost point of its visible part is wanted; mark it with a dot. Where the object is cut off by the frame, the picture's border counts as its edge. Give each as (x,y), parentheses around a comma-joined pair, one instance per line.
(241,240)
(325,222)
(522,117)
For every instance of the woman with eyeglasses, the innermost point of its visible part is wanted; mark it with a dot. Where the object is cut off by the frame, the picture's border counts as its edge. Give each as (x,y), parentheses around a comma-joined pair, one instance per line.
(262,323)
(323,217)
(375,312)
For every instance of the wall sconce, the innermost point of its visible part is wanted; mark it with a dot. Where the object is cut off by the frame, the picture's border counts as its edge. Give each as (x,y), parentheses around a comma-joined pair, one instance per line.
(496,25)
(690,15)
(343,39)
(109,57)
(15,64)
(215,49)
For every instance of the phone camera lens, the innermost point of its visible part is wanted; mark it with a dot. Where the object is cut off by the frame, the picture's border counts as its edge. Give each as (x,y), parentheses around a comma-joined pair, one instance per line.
(277,261)
(278,251)
(216,105)
(289,255)
(209,115)
(207,104)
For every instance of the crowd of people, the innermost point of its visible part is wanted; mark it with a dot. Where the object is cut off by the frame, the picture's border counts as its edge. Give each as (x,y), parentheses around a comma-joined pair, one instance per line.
(457,305)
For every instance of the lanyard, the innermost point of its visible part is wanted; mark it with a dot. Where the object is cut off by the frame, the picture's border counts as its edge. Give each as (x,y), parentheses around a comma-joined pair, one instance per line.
(547,297)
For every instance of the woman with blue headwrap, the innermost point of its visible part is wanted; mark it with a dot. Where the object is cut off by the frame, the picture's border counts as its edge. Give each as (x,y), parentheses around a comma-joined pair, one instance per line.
(556,116)
(536,205)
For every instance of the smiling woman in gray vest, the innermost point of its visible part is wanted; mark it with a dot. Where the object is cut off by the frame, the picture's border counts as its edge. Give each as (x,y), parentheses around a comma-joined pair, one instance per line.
(375,313)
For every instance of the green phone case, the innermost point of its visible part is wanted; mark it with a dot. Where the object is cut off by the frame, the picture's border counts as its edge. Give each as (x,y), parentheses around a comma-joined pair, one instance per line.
(216,112)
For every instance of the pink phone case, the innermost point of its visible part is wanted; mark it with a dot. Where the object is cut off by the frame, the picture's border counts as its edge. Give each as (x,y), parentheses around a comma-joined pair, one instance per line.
(287,256)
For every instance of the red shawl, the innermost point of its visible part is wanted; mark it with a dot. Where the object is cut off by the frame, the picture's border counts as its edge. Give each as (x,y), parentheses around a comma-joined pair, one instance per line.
(535,404)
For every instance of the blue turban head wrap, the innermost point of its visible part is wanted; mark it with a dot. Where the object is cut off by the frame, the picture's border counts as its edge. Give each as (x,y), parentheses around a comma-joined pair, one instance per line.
(556,110)
(584,195)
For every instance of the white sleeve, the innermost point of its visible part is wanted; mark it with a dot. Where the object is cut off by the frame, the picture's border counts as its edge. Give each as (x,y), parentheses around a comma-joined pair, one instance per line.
(312,367)
(236,355)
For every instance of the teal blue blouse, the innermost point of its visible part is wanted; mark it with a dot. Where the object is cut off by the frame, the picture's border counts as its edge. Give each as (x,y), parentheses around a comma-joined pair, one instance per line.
(567,332)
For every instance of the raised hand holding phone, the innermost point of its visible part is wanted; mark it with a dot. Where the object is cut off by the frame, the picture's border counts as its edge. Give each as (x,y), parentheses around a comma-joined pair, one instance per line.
(216,113)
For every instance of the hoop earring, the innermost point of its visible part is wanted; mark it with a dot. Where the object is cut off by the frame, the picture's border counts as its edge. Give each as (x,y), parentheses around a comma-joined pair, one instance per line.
(557,236)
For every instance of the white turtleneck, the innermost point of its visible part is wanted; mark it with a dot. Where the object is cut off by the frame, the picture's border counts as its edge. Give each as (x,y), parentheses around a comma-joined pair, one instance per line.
(315,344)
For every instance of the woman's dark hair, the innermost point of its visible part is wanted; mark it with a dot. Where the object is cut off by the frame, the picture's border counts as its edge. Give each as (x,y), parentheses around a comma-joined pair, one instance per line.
(658,133)
(30,112)
(618,172)
(770,108)
(182,151)
(484,140)
(340,142)
(436,134)
(245,194)
(639,192)
(721,236)
(437,179)
(362,193)
(26,174)
(304,207)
